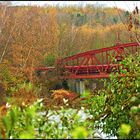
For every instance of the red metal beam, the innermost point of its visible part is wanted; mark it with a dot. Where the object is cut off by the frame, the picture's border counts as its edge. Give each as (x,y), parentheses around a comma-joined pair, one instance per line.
(91,63)
(89,76)
(100,50)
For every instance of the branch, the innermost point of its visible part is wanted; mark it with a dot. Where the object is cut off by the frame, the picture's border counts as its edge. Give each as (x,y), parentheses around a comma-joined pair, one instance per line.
(6,45)
(135,37)
(28,56)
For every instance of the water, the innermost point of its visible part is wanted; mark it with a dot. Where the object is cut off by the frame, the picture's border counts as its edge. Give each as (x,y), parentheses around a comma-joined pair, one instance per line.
(55,117)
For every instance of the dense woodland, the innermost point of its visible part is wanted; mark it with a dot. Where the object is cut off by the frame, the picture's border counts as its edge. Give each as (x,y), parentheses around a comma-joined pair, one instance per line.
(32,36)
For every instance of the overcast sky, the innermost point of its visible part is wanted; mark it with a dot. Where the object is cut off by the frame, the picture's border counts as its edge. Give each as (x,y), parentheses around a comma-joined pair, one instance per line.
(127,5)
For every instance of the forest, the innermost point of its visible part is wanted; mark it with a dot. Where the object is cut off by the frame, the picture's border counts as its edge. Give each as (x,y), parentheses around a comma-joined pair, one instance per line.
(32,107)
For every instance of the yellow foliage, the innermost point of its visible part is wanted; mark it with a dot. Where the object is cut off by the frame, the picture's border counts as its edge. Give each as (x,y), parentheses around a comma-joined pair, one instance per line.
(59,95)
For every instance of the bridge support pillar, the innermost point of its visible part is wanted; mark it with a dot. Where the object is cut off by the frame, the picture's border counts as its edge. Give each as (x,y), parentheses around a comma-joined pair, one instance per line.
(80,86)
(77,85)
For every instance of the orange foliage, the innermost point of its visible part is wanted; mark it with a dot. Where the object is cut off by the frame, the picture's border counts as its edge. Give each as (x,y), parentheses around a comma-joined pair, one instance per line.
(29,34)
(3,111)
(23,97)
(59,95)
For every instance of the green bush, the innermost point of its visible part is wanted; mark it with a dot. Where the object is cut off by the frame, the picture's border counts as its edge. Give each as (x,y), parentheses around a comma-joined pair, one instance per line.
(123,101)
(116,108)
(32,122)
(49,60)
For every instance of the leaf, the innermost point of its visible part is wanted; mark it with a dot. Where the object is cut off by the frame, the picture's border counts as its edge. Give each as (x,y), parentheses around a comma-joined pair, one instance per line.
(26,135)
(112,90)
(13,117)
(124,129)
(85,94)
(80,133)
(134,109)
(6,123)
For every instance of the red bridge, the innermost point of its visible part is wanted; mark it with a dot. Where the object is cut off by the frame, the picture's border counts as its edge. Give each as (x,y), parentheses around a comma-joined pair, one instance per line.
(95,63)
